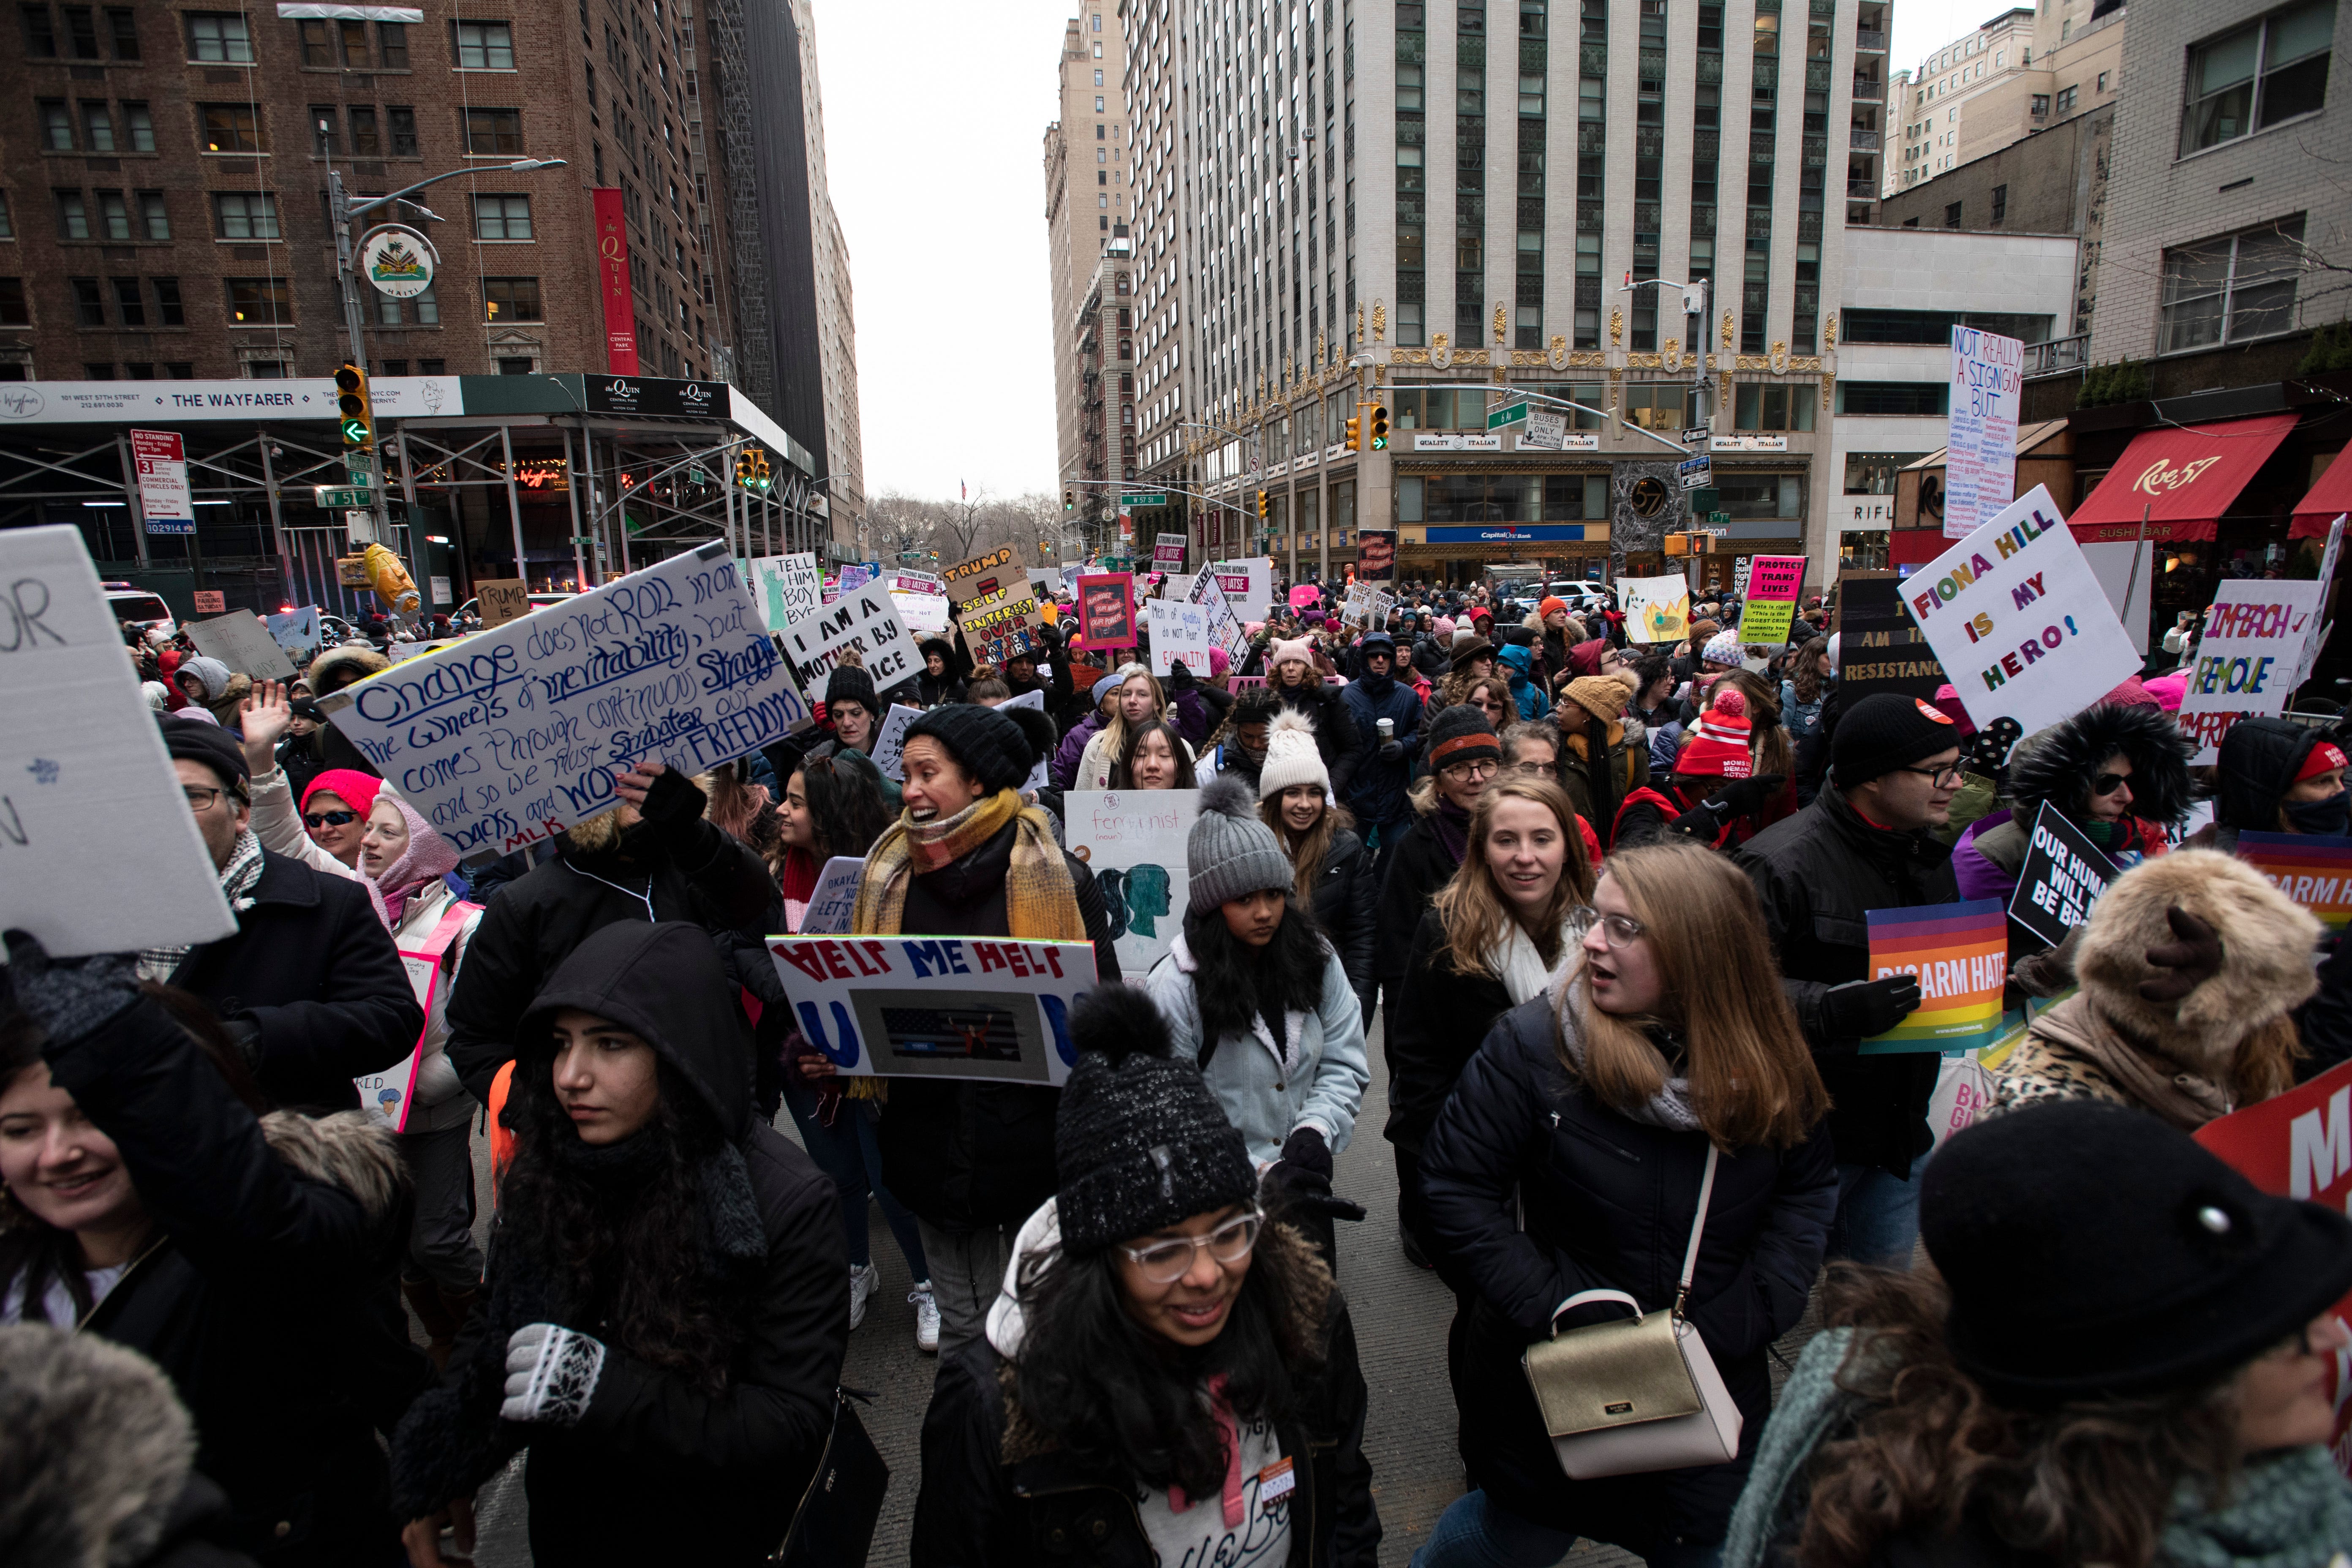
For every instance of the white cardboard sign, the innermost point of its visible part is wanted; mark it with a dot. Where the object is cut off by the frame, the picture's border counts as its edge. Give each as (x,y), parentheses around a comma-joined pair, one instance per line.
(511,735)
(1178,631)
(1248,585)
(790,588)
(835,899)
(1133,841)
(240,641)
(1224,627)
(81,761)
(297,631)
(1981,439)
(2018,617)
(1043,773)
(2255,639)
(938,1007)
(865,618)
(890,739)
(1657,609)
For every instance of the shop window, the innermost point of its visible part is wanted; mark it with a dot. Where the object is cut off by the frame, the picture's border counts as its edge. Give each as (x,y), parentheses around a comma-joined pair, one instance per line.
(1761,497)
(1758,405)
(1920,397)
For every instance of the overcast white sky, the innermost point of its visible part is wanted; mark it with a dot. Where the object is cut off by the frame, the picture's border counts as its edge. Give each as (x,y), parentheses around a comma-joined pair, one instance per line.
(935,115)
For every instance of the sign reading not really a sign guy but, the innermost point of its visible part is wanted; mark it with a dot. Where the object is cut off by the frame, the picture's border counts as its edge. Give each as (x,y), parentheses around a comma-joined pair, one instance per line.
(938,1007)
(513,735)
(2019,619)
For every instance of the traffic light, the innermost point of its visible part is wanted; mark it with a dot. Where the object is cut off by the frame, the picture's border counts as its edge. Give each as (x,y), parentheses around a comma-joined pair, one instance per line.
(1261,506)
(751,470)
(1356,431)
(1677,544)
(352,401)
(743,468)
(1069,501)
(1380,428)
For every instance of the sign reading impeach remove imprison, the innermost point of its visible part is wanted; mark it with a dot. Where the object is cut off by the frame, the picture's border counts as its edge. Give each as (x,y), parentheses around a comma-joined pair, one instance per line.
(511,735)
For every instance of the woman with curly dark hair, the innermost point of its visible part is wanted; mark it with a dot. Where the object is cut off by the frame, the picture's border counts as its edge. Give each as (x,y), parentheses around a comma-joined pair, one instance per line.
(666,1295)
(1170,1373)
(2130,1373)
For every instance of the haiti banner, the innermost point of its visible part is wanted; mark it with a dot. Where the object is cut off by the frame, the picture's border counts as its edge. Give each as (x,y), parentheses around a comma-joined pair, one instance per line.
(1960,953)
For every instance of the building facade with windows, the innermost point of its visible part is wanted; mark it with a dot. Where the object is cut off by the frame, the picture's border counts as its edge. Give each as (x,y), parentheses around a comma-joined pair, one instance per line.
(1933,96)
(1089,170)
(1418,206)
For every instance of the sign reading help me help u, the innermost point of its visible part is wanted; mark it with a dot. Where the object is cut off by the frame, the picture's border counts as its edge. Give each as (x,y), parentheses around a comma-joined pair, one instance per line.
(938,1007)
(2019,619)
(512,735)
(2255,637)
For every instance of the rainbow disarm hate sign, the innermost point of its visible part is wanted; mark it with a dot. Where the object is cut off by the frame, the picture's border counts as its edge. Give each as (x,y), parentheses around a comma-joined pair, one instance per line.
(1960,953)
(2315,872)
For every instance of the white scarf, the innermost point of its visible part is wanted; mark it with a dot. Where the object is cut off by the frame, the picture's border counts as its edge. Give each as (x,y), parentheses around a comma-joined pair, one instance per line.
(1521,967)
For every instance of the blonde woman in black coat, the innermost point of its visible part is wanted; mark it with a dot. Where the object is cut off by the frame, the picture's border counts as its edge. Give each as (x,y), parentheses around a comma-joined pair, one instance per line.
(1336,877)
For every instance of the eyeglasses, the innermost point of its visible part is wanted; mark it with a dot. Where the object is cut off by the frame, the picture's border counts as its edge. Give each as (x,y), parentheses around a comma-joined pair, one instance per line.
(1949,773)
(1165,1262)
(329,819)
(202,799)
(2108,784)
(1616,931)
(1464,772)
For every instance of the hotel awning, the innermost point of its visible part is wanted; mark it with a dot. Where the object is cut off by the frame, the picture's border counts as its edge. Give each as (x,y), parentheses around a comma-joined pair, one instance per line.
(2183,476)
(2331,496)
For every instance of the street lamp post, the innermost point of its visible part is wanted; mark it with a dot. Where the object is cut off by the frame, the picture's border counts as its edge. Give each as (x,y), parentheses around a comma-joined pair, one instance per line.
(345,212)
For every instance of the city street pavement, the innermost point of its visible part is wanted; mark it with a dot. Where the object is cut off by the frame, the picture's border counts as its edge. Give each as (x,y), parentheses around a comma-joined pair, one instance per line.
(1400,1314)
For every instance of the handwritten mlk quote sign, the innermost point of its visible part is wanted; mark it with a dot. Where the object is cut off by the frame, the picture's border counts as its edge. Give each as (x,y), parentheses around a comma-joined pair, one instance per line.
(512,735)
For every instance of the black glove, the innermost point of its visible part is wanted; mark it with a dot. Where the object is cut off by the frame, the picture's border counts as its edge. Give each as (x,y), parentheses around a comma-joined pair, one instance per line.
(73,998)
(1391,750)
(2184,963)
(245,1034)
(1305,1150)
(1300,1181)
(672,814)
(1865,1007)
(1180,675)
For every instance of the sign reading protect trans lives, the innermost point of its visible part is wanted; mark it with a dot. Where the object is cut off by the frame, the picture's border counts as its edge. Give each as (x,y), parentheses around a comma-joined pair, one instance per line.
(514,734)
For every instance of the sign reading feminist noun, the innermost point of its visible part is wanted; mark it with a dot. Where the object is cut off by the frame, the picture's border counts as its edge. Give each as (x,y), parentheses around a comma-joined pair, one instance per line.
(81,759)
(1959,952)
(2019,619)
(1133,841)
(512,735)
(2064,875)
(938,1007)
(2255,637)
(866,620)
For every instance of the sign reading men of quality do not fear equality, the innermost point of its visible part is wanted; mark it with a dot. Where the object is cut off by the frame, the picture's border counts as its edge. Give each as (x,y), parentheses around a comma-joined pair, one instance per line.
(2019,619)
(512,735)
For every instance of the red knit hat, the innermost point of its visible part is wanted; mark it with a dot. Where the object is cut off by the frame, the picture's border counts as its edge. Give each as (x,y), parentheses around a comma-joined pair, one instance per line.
(1718,747)
(2324,757)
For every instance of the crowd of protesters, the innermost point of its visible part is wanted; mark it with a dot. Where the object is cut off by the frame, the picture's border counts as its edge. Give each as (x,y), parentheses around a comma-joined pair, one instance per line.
(1606,905)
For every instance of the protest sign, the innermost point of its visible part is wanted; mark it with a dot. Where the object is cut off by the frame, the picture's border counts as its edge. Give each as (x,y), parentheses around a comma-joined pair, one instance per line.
(983,574)
(1106,612)
(1001,623)
(1133,841)
(1178,632)
(1981,439)
(1960,953)
(938,1007)
(387,1097)
(904,581)
(1880,646)
(890,739)
(1168,552)
(1657,609)
(831,905)
(2315,872)
(2064,875)
(1376,554)
(2254,639)
(1045,582)
(2299,1145)
(2019,619)
(788,588)
(1248,585)
(2326,587)
(925,614)
(297,631)
(499,600)
(1224,627)
(1042,774)
(240,641)
(1740,569)
(98,849)
(1773,586)
(511,736)
(853,578)
(863,618)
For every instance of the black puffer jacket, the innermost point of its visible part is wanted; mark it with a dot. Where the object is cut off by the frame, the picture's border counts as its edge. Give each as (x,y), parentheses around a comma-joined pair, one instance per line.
(1816,874)
(1437,1019)
(2059,764)
(536,921)
(1335,729)
(267,1297)
(1345,902)
(1537,1192)
(658,1467)
(962,1153)
(1416,866)
(314,969)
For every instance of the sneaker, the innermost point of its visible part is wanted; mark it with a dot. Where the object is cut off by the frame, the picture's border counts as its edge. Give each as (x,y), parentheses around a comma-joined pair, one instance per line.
(927,1318)
(862,1282)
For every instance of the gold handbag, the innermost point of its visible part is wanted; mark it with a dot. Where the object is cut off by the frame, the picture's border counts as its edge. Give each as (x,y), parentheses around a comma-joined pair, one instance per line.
(1635,1395)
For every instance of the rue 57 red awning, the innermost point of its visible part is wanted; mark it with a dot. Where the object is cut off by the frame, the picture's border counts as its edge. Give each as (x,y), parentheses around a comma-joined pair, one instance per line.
(2185,475)
(2330,496)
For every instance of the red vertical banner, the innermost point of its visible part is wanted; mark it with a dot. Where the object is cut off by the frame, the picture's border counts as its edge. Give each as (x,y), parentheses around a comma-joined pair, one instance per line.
(612,273)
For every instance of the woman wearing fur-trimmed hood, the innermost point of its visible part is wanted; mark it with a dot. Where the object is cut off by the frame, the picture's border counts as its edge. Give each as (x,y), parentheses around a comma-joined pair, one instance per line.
(2119,771)
(2189,970)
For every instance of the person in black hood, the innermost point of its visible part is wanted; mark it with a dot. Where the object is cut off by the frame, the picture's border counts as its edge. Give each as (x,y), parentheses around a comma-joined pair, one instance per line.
(654,857)
(667,1294)
(945,670)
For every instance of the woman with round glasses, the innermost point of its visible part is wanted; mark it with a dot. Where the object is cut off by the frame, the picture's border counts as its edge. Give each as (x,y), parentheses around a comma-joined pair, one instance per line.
(1571,1156)
(1463,756)
(1170,1373)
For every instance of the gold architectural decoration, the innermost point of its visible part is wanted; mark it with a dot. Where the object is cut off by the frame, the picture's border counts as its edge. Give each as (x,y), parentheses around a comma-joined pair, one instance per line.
(1379,320)
(1499,322)
(1828,381)
(1359,326)
(1616,326)
(1408,356)
(1557,357)
(1318,345)
(1674,352)
(1587,359)
(1780,357)
(1646,362)
(1727,329)
(1808,365)
(1829,333)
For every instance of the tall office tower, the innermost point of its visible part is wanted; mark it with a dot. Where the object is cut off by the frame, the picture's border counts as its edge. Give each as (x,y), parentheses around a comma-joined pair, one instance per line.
(1091,169)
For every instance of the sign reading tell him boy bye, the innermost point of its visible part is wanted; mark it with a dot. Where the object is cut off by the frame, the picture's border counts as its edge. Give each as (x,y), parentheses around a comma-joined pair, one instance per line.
(2019,619)
(938,1007)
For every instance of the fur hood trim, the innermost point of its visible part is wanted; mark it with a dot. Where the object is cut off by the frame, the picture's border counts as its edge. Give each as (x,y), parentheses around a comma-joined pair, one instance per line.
(350,664)
(2266,946)
(344,1150)
(2057,764)
(95,1444)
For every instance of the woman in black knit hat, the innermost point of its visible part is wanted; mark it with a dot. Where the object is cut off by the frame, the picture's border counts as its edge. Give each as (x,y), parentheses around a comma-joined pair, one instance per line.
(1169,1372)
